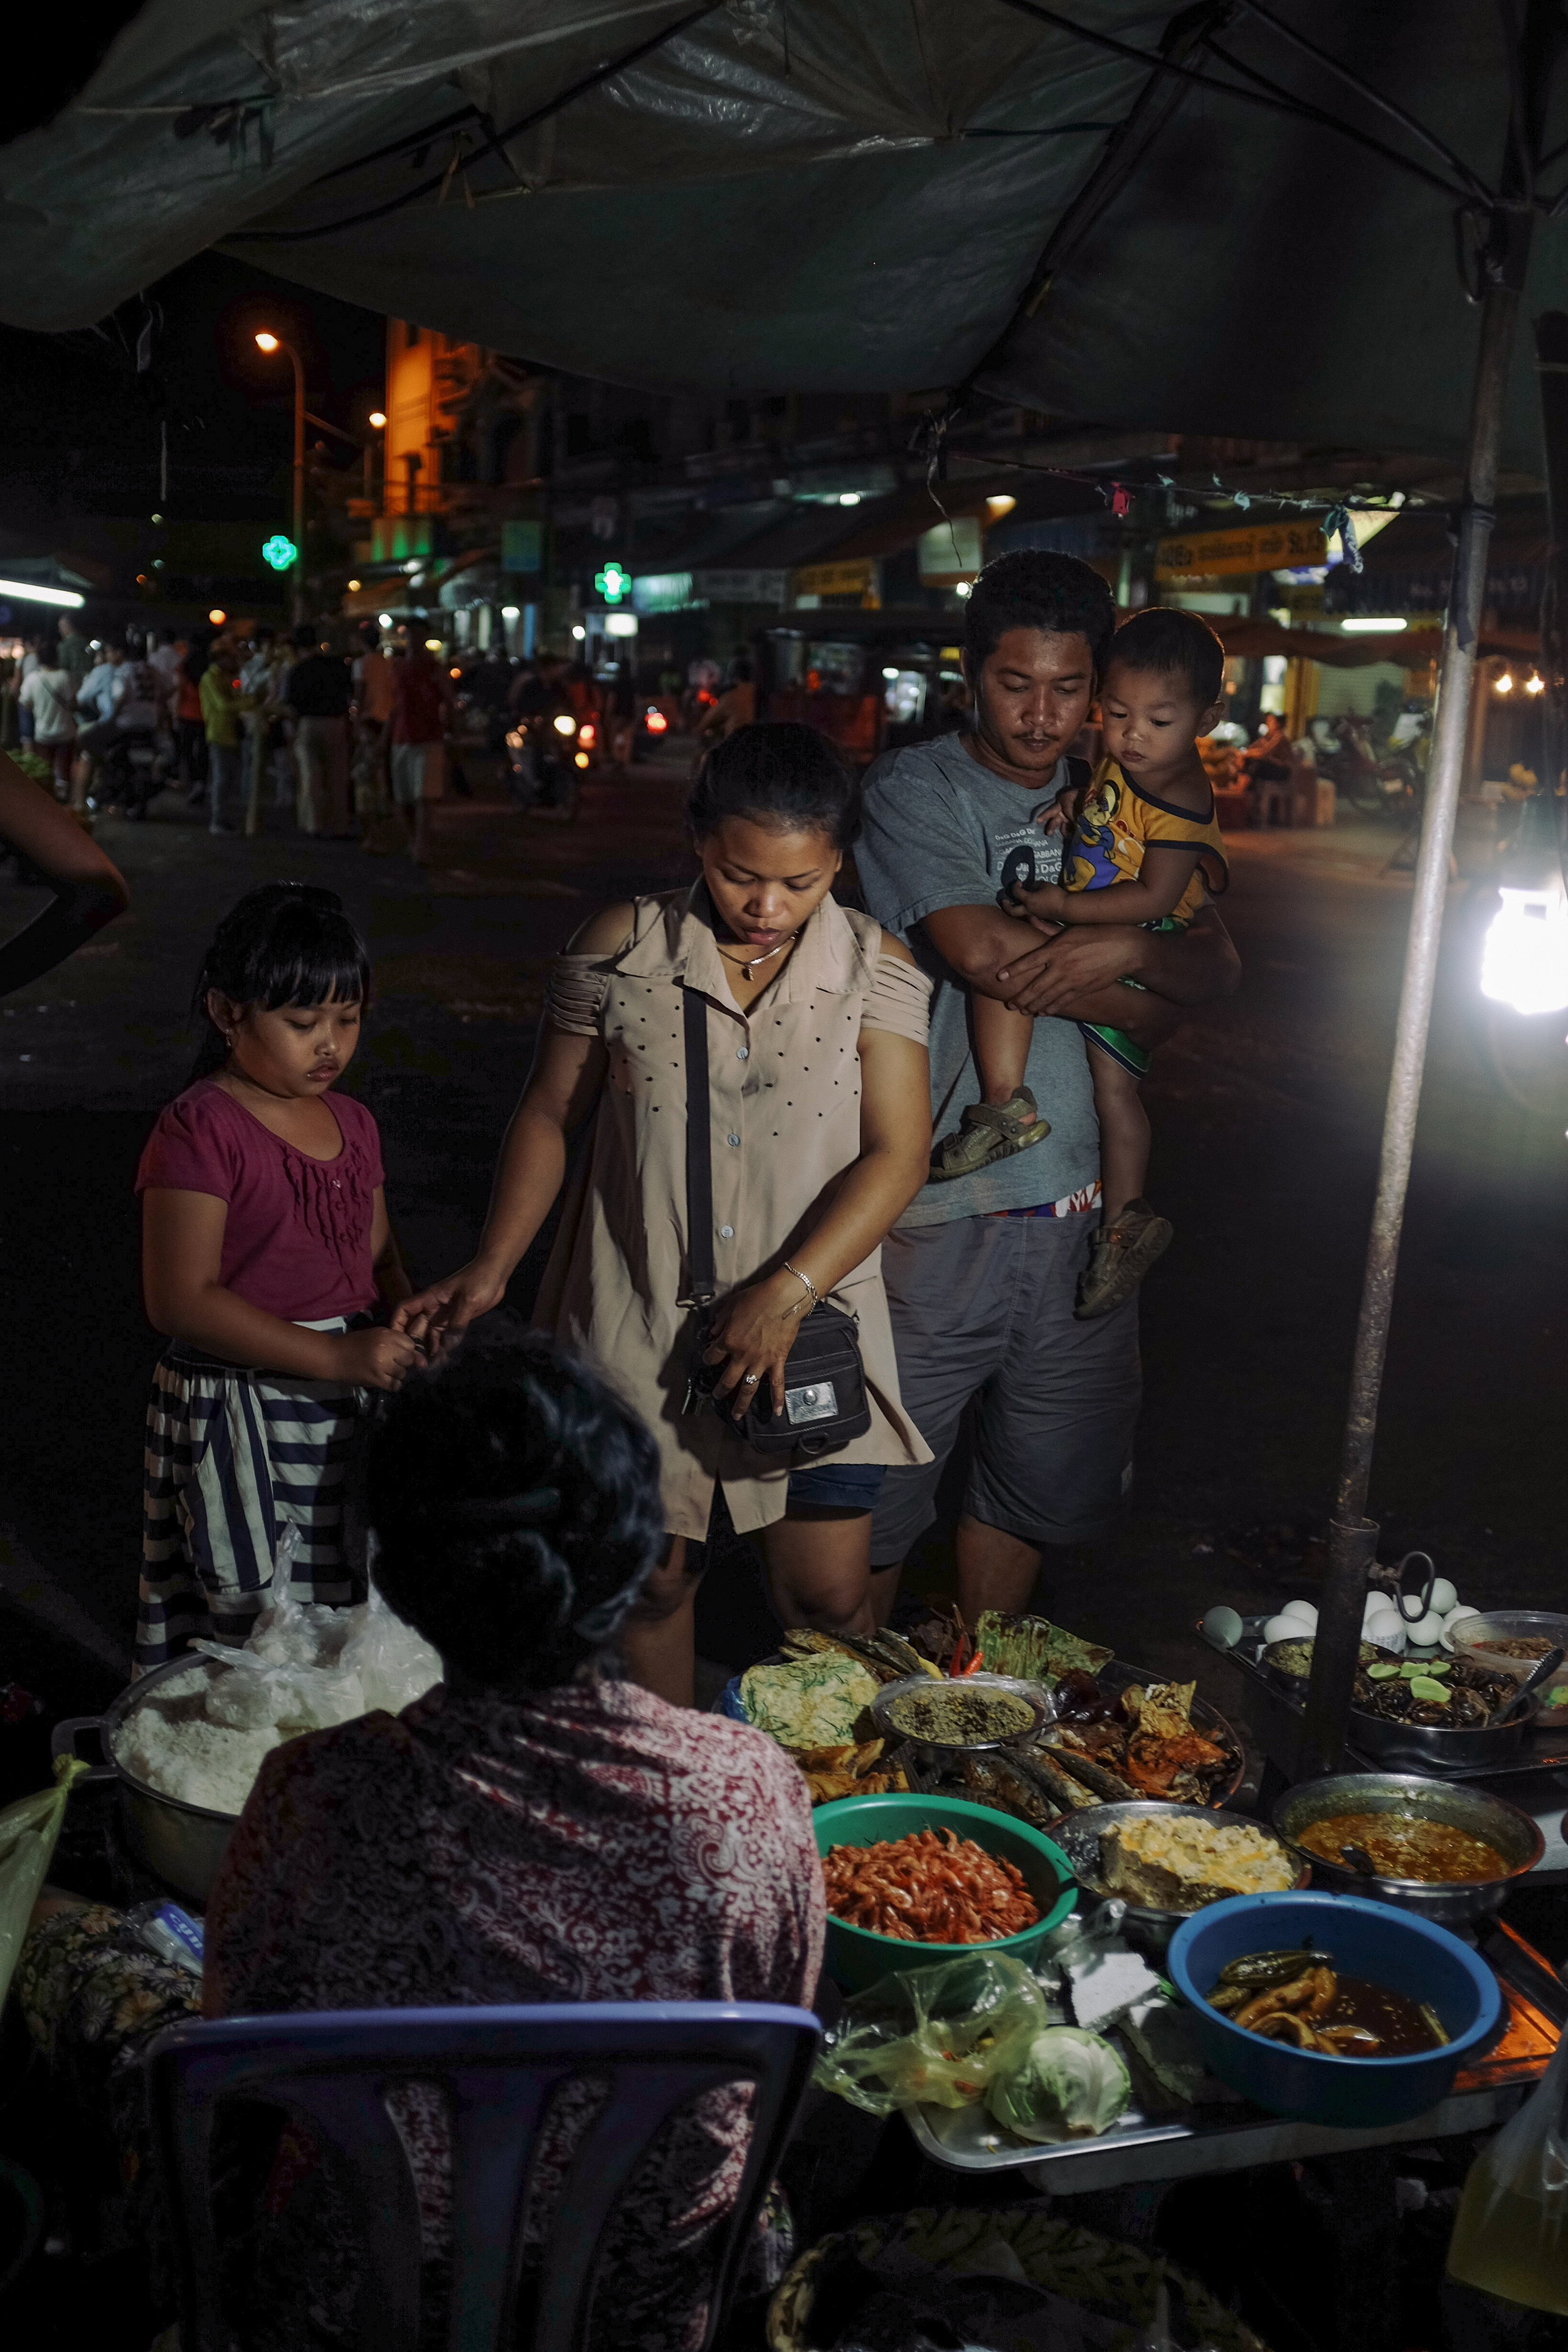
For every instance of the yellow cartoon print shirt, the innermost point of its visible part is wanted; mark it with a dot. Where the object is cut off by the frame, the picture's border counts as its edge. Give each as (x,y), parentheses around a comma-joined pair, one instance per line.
(1116,824)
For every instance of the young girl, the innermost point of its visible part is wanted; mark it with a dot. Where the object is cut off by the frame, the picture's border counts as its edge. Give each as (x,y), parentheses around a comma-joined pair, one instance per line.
(265,1241)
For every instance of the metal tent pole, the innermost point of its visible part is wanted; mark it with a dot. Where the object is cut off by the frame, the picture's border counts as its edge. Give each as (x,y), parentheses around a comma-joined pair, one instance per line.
(1352,1537)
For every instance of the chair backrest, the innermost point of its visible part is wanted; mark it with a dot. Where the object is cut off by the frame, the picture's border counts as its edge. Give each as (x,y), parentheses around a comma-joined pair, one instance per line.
(500,2069)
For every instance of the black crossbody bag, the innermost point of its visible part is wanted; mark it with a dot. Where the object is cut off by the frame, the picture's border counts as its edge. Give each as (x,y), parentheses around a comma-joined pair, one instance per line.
(826,1405)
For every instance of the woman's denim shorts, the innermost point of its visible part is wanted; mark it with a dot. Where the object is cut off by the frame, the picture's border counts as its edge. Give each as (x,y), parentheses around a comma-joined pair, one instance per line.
(838,1485)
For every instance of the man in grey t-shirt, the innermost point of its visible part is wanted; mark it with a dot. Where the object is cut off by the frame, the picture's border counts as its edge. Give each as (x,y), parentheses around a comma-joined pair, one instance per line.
(981,1271)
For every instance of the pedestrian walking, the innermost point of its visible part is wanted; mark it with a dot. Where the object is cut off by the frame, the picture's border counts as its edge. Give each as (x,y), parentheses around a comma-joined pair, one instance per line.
(221,724)
(75,651)
(261,720)
(48,697)
(190,727)
(811,1023)
(422,707)
(264,1246)
(98,697)
(372,697)
(317,691)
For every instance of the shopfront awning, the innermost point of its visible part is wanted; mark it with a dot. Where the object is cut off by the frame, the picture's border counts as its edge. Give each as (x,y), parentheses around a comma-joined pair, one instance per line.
(1099,208)
(1409,648)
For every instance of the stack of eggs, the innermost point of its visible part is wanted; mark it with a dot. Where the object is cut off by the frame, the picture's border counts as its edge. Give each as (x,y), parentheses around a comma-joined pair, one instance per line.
(1381,1621)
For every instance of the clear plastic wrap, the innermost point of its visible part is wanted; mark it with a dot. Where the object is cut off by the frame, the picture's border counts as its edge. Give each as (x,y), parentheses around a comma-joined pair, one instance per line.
(934,2036)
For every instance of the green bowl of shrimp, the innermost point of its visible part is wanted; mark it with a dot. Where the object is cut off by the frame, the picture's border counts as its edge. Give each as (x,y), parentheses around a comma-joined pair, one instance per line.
(857,1958)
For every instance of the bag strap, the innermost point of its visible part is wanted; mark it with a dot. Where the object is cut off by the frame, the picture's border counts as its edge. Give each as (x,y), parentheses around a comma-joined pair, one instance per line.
(702,1282)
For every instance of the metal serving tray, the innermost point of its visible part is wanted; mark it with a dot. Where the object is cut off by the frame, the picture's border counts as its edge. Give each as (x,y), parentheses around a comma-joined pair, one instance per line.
(1231,2135)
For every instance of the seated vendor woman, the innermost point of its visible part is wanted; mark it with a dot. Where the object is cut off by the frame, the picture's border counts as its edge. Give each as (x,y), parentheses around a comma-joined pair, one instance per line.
(813,1026)
(535,1829)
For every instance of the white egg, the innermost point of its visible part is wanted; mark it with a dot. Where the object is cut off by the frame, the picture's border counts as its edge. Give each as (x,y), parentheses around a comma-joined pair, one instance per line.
(1378,1604)
(1223,1624)
(1284,1629)
(1445,1597)
(1387,1629)
(1303,1612)
(1461,1609)
(1426,1634)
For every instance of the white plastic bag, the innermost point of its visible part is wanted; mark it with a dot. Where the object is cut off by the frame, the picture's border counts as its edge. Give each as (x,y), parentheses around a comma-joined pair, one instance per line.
(1510,2237)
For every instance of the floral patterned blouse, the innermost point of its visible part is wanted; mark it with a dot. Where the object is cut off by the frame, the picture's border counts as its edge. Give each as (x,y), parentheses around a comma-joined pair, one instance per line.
(584,1843)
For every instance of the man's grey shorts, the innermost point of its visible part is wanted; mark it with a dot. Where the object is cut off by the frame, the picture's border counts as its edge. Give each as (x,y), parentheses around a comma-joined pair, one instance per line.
(982,1308)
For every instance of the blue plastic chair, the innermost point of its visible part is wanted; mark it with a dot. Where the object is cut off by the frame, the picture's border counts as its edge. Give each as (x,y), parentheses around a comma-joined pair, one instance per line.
(500,2068)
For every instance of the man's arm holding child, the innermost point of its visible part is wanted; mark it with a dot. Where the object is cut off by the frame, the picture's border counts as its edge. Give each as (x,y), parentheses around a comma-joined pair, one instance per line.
(1075,976)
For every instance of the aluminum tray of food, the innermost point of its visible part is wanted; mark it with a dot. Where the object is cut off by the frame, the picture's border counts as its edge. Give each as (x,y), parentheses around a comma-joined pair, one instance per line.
(1184,1855)
(1377,1741)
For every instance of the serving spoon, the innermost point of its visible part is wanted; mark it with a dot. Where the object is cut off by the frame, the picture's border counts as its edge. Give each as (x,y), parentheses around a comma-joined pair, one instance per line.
(1532,1682)
(1359,1859)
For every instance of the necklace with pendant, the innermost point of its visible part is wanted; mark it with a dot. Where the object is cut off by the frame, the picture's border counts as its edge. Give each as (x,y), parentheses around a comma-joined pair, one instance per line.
(756,962)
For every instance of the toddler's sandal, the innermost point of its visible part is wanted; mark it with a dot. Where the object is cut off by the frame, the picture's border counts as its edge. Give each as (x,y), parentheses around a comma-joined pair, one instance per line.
(986,1133)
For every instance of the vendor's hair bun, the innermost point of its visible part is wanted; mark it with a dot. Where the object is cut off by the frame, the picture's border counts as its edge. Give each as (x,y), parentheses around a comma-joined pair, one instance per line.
(516,1506)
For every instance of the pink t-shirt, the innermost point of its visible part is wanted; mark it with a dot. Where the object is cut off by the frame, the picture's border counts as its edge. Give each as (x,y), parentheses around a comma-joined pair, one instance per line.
(297,1240)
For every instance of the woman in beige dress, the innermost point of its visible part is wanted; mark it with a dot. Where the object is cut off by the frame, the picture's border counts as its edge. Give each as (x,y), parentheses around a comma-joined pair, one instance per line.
(819,1101)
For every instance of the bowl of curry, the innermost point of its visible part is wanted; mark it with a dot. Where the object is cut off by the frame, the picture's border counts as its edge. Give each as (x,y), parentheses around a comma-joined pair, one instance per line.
(1443,1848)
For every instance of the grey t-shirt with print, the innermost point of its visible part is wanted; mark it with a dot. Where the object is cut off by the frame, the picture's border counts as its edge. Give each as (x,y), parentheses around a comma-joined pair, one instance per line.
(942,831)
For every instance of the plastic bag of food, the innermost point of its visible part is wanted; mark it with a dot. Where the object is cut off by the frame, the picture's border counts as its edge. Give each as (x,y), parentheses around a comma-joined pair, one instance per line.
(28,1830)
(394,1664)
(935,2036)
(1510,2236)
(1065,2084)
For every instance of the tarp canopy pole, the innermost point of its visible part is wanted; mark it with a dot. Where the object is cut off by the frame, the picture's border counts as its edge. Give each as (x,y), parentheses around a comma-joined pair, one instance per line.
(1352,1537)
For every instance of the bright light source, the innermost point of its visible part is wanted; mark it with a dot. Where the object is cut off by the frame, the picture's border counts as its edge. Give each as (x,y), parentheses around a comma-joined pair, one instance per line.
(217,616)
(620,625)
(454,671)
(654,721)
(1524,961)
(511,612)
(587,732)
(1355,626)
(963,588)
(26,593)
(432,644)
(278,552)
(613,583)
(890,673)
(1536,685)
(354,587)
(265,342)
(383,620)
(1000,503)
(563,723)
(157,517)
(376,420)
(848,498)
(578,631)
(515,739)
(582,758)
(1504,684)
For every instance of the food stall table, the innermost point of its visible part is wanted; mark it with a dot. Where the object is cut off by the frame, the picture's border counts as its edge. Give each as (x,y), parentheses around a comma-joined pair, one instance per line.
(1235,2137)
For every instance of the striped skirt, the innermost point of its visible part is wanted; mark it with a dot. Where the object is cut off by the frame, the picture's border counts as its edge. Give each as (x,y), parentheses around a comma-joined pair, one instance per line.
(233,1458)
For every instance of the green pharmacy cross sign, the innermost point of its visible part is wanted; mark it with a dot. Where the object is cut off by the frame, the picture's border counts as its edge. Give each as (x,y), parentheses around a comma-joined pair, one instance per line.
(613,583)
(279,553)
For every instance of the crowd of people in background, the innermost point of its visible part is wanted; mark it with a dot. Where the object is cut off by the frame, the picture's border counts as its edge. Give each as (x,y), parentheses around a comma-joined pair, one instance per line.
(264,730)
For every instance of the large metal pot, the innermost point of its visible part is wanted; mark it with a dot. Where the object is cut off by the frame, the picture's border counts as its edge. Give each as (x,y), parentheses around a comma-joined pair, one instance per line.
(1426,1747)
(181,1844)
(1448,1904)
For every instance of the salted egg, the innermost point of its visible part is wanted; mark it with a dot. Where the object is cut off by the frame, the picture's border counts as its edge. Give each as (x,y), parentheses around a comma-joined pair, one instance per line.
(1389,1632)
(1378,1604)
(1445,1597)
(1284,1629)
(1304,1613)
(1223,1624)
(1426,1634)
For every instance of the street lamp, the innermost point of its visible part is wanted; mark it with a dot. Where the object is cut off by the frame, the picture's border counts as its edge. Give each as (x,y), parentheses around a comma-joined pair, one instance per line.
(377,423)
(268,343)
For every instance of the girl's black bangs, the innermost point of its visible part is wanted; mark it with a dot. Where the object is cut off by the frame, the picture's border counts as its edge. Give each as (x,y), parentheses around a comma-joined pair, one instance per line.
(331,971)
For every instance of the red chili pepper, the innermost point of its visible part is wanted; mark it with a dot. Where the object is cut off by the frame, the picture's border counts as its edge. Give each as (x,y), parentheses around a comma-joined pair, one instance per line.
(976,1664)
